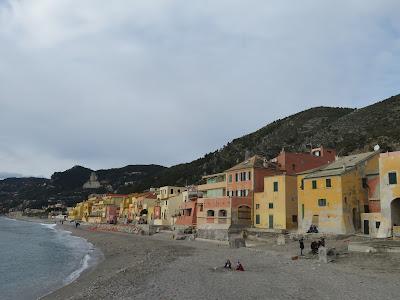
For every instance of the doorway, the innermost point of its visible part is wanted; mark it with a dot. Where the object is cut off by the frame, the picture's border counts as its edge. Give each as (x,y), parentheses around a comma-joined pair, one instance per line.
(366,227)
(271,221)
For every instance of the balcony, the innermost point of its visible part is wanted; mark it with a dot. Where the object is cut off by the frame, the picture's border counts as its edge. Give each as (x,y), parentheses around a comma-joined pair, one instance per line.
(212,186)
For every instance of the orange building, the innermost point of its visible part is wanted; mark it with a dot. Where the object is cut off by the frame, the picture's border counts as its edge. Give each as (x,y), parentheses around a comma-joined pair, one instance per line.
(219,216)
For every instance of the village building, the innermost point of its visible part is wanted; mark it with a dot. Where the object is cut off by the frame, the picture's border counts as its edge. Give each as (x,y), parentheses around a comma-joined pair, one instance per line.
(188,209)
(383,218)
(167,208)
(276,207)
(219,216)
(92,183)
(333,197)
(145,204)
(105,208)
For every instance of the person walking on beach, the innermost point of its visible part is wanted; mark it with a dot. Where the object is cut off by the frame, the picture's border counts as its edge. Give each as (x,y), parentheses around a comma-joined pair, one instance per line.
(301,244)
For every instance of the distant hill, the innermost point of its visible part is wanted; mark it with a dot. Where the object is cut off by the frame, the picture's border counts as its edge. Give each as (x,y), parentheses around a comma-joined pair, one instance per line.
(345,129)
(67,186)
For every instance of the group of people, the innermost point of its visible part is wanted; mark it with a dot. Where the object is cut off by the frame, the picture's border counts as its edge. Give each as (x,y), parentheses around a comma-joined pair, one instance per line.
(313,229)
(314,245)
(228,265)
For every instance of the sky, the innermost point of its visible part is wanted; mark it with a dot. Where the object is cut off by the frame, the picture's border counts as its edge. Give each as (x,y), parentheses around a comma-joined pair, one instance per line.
(104,83)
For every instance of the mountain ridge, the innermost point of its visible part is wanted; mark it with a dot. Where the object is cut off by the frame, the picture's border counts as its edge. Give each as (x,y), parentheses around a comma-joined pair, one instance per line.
(348,130)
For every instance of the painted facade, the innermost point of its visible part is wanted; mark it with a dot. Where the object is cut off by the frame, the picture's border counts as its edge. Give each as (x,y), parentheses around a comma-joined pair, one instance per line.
(188,209)
(334,197)
(276,206)
(169,199)
(385,221)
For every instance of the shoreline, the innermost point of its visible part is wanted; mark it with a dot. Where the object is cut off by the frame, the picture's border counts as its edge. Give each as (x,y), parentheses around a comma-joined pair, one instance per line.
(88,261)
(157,267)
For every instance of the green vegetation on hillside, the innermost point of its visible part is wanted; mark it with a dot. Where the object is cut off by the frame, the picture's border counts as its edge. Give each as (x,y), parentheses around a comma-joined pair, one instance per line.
(347,130)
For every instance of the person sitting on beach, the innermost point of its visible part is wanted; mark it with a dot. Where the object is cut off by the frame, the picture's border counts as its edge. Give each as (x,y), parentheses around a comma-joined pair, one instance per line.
(77,224)
(228,264)
(239,266)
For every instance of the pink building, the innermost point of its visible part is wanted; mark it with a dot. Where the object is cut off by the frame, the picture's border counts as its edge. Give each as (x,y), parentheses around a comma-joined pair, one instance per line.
(188,209)
(112,213)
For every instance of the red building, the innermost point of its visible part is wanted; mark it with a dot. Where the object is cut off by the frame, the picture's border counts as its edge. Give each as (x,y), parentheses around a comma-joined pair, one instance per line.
(292,163)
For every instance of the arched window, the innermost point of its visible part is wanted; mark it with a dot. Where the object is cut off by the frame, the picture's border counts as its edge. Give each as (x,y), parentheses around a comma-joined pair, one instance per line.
(222,213)
(210,213)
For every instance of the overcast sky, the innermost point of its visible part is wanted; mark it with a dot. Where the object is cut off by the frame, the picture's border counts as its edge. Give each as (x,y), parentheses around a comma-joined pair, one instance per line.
(109,83)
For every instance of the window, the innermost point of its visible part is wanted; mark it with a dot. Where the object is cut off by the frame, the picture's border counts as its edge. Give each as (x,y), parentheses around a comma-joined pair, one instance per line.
(293,167)
(271,205)
(302,184)
(249,175)
(210,213)
(377,225)
(364,182)
(236,177)
(257,219)
(294,219)
(257,206)
(366,209)
(302,211)
(201,207)
(345,200)
(275,186)
(328,183)
(392,178)
(172,191)
(321,202)
(237,193)
(179,191)
(230,178)
(314,184)
(222,213)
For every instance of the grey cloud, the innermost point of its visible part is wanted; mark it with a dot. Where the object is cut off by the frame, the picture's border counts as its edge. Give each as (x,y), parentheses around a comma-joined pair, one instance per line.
(104,84)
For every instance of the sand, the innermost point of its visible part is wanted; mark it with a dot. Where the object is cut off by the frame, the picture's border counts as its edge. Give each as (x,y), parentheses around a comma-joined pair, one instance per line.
(157,267)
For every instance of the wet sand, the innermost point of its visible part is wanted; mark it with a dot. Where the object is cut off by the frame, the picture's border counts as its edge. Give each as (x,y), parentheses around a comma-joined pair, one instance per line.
(157,267)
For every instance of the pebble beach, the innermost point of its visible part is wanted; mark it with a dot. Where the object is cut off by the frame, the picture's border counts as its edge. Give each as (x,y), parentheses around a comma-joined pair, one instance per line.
(157,267)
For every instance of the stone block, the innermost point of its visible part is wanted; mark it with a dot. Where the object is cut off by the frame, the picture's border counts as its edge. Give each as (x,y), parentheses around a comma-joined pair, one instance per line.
(322,255)
(237,243)
(281,240)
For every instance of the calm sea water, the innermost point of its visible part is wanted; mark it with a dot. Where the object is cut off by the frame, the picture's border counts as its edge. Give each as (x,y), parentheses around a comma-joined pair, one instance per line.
(36,259)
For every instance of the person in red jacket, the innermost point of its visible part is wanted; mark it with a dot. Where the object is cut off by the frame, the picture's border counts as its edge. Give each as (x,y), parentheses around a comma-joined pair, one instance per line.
(239,266)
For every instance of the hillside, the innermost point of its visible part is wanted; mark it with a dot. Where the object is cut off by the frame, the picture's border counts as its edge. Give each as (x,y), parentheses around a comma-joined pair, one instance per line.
(347,130)
(67,185)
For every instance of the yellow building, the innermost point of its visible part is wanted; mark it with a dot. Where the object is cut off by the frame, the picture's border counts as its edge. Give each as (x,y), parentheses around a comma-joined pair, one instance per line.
(276,206)
(87,209)
(125,210)
(334,197)
(387,222)
(76,213)
(169,199)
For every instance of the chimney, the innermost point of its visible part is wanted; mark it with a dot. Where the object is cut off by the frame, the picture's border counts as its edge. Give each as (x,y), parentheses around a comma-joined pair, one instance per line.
(246,154)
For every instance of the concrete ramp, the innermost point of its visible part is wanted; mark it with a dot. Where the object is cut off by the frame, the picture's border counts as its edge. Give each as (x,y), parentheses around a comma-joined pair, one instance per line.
(375,246)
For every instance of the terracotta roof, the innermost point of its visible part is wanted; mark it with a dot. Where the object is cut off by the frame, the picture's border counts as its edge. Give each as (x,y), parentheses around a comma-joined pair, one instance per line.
(340,166)
(255,161)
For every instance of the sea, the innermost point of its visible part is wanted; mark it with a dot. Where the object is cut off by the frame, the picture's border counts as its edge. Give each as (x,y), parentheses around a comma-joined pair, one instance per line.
(36,258)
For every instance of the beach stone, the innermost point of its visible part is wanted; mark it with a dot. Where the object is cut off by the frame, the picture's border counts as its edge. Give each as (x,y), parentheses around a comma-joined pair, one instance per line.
(281,240)
(322,255)
(237,243)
